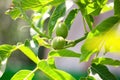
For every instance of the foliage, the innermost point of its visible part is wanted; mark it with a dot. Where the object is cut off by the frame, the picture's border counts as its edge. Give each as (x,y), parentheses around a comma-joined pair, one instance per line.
(105,37)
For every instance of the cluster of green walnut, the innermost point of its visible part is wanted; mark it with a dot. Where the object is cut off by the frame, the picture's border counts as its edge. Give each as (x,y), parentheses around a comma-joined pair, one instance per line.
(59,41)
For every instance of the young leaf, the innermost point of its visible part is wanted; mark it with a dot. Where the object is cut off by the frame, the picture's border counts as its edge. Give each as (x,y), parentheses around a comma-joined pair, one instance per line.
(106,61)
(70,18)
(54,74)
(89,7)
(105,35)
(33,45)
(34,5)
(14,13)
(58,12)
(100,72)
(40,16)
(117,7)
(63,53)
(51,62)
(107,7)
(23,75)
(29,53)
(31,4)
(41,41)
(56,2)
(5,51)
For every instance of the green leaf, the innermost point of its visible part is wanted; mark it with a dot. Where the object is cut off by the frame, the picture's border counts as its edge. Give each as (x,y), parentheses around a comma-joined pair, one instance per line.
(89,19)
(35,5)
(64,75)
(5,51)
(89,7)
(101,72)
(54,74)
(58,12)
(56,2)
(29,53)
(70,18)
(106,61)
(23,75)
(31,4)
(33,45)
(107,7)
(51,62)
(40,17)
(14,13)
(60,53)
(106,35)
(63,53)
(41,41)
(117,7)
(87,78)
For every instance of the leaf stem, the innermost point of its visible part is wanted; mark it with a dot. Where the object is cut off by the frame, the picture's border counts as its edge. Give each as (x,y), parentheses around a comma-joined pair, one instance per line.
(85,29)
(81,39)
(73,43)
(26,78)
(31,24)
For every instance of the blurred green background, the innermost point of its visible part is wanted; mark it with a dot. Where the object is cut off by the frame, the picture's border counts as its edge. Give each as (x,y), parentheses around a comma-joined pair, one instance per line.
(12,32)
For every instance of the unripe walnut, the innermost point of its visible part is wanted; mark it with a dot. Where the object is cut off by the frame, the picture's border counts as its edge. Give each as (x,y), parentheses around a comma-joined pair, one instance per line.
(58,42)
(61,29)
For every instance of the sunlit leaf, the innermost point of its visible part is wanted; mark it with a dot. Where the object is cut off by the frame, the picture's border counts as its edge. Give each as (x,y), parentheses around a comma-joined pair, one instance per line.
(58,12)
(107,7)
(89,7)
(54,74)
(100,72)
(41,41)
(70,18)
(40,17)
(106,61)
(5,51)
(31,4)
(51,62)
(14,13)
(105,36)
(33,45)
(60,53)
(63,53)
(29,53)
(23,75)
(35,5)
(65,75)
(56,2)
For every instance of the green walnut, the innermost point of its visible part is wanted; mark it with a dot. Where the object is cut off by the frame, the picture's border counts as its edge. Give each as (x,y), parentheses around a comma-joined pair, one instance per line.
(61,29)
(58,42)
